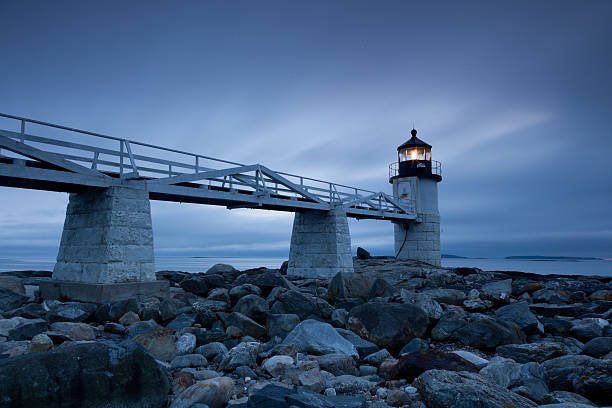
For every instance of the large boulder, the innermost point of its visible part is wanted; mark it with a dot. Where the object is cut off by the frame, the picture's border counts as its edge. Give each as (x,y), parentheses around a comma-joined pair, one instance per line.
(75,331)
(429,305)
(10,299)
(589,328)
(159,342)
(84,375)
(214,393)
(538,352)
(244,354)
(281,324)
(597,347)
(476,330)
(519,314)
(584,375)
(239,291)
(18,328)
(449,389)
(247,326)
(254,307)
(201,285)
(112,311)
(414,363)
(12,283)
(446,296)
(381,288)
(364,347)
(301,304)
(319,338)
(71,312)
(388,325)
(337,364)
(498,290)
(265,280)
(528,378)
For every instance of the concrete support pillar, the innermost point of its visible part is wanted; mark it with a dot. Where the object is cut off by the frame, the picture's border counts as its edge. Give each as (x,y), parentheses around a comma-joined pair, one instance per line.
(320,244)
(106,251)
(419,240)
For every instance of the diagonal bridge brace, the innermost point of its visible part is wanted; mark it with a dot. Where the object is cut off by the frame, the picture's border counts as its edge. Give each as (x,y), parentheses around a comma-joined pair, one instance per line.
(47,157)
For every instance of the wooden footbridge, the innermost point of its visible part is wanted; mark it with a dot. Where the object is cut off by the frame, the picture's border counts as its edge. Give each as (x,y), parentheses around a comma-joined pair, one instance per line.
(45,156)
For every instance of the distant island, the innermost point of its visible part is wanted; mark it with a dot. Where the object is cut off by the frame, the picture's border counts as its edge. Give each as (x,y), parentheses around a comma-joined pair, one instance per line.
(553,258)
(448,256)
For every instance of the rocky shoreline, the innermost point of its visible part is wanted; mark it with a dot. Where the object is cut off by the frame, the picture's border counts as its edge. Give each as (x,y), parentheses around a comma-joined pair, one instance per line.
(393,333)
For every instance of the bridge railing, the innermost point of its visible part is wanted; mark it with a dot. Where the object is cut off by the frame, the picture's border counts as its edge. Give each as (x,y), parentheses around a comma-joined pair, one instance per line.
(119,157)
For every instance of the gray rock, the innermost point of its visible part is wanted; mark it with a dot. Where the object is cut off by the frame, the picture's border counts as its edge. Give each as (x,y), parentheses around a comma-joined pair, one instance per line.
(188,360)
(560,397)
(337,288)
(186,344)
(446,296)
(114,328)
(239,291)
(366,370)
(171,307)
(364,347)
(538,352)
(337,364)
(388,325)
(215,393)
(220,294)
(40,343)
(567,405)
(244,354)
(499,290)
(22,329)
(277,365)
(159,342)
(478,361)
(10,299)
(378,357)
(588,328)
(350,384)
(486,332)
(339,318)
(201,285)
(381,288)
(519,314)
(597,347)
(244,323)
(584,375)
(303,305)
(509,374)
(440,389)
(254,307)
(477,305)
(211,350)
(139,328)
(281,324)
(551,310)
(244,372)
(84,375)
(71,312)
(266,281)
(452,320)
(319,338)
(112,311)
(414,344)
(76,331)
(550,296)
(427,303)
(182,322)
(12,283)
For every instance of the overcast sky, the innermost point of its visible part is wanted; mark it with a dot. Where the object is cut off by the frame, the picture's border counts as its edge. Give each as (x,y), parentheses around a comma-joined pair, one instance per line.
(515,98)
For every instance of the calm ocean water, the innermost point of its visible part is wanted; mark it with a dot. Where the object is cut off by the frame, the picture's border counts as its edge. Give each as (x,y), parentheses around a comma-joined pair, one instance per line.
(189,264)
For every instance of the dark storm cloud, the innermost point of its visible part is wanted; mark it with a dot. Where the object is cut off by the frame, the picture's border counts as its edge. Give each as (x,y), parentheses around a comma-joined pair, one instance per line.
(515,99)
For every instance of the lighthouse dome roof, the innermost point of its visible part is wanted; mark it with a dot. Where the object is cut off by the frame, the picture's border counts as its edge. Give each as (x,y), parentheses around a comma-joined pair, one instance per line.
(414,141)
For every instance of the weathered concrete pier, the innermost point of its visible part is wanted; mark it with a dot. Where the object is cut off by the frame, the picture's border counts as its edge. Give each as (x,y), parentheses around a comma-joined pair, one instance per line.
(106,250)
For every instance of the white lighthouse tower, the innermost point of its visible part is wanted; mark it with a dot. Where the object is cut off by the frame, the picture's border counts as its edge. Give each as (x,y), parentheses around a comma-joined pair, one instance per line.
(415,177)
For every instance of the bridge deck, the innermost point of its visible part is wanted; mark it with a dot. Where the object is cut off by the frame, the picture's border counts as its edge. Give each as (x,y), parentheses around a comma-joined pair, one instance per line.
(58,162)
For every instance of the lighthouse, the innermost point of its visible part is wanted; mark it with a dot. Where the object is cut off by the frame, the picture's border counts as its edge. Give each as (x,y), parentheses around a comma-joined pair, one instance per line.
(415,177)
